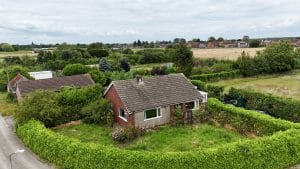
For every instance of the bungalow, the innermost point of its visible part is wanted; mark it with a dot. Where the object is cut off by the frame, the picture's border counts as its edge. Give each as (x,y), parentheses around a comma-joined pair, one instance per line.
(55,84)
(12,84)
(151,101)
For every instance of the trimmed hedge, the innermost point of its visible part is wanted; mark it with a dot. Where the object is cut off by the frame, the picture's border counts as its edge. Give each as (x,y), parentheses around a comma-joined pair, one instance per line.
(284,108)
(274,152)
(212,90)
(245,120)
(212,77)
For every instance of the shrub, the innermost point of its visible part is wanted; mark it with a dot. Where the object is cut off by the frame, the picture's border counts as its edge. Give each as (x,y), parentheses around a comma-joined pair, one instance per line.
(212,90)
(42,106)
(245,120)
(12,71)
(3,81)
(277,106)
(127,134)
(104,65)
(99,53)
(150,56)
(280,150)
(221,67)
(158,70)
(125,65)
(98,77)
(75,69)
(216,76)
(140,71)
(200,85)
(12,60)
(98,112)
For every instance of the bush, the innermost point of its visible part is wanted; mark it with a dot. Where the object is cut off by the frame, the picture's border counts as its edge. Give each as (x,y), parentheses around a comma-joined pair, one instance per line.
(216,76)
(75,69)
(3,81)
(99,53)
(221,67)
(127,134)
(125,65)
(212,90)
(159,70)
(245,120)
(104,66)
(140,71)
(12,60)
(12,71)
(42,106)
(200,85)
(98,112)
(98,77)
(277,106)
(278,151)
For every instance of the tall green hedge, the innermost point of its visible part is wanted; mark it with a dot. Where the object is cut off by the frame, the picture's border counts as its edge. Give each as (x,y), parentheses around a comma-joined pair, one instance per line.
(245,120)
(274,152)
(215,91)
(277,106)
(212,77)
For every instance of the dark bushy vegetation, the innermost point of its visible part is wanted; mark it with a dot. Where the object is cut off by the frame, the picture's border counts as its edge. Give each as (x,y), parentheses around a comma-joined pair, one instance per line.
(127,134)
(279,57)
(277,106)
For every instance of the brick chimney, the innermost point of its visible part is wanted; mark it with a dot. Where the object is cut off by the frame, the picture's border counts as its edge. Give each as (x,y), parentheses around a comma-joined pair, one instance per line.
(139,79)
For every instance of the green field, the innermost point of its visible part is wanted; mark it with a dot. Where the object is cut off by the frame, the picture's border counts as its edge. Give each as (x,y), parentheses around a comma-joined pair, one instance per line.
(285,85)
(165,139)
(17,53)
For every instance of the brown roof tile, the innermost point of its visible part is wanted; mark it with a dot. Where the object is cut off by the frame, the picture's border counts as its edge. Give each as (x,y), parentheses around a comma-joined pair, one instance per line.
(54,83)
(156,91)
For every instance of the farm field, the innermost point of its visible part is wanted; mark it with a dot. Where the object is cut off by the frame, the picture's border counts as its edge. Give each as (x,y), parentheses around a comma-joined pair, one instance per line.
(165,139)
(224,53)
(17,53)
(287,85)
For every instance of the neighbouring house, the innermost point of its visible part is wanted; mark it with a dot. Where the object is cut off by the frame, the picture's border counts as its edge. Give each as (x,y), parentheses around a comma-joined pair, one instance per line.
(210,44)
(192,44)
(202,45)
(242,44)
(41,75)
(152,101)
(12,84)
(55,84)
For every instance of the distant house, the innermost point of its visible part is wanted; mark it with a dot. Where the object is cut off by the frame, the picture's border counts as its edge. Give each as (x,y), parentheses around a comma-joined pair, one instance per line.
(41,75)
(12,84)
(202,45)
(192,44)
(211,44)
(151,101)
(55,84)
(242,44)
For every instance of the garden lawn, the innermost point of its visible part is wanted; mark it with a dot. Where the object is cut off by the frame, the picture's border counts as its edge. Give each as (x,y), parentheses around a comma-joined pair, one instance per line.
(165,139)
(7,108)
(285,85)
(88,133)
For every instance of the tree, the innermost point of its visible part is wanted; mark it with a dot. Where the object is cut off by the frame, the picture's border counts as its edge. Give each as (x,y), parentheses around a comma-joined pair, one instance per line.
(183,59)
(220,39)
(12,71)
(28,61)
(196,40)
(104,66)
(127,51)
(12,60)
(42,106)
(211,39)
(159,70)
(125,65)
(98,112)
(254,43)
(5,47)
(44,56)
(66,55)
(75,69)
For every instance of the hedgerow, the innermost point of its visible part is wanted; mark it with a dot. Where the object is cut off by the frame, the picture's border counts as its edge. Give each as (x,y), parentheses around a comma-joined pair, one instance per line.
(212,90)
(212,77)
(277,106)
(274,152)
(280,150)
(245,120)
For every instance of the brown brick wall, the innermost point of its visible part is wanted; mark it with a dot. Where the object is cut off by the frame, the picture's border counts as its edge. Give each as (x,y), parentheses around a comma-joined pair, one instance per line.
(117,103)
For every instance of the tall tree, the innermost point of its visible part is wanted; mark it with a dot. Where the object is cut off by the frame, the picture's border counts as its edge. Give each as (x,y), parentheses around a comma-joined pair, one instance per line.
(183,59)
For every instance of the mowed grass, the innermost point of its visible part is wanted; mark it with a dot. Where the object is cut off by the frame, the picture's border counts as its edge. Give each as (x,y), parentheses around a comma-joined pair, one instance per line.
(88,133)
(165,139)
(284,85)
(224,53)
(7,108)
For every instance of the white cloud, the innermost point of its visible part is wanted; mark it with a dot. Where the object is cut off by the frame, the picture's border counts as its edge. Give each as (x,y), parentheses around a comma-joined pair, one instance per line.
(125,21)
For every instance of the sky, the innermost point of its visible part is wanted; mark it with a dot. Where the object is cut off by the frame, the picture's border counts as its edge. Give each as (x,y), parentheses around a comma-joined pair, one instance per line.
(121,21)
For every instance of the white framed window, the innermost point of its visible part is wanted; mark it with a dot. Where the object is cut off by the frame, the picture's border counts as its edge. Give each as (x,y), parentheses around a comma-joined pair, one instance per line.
(152,113)
(122,114)
(194,105)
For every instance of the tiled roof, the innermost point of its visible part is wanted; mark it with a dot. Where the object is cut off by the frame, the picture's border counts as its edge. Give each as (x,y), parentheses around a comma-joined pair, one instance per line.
(13,82)
(155,91)
(54,83)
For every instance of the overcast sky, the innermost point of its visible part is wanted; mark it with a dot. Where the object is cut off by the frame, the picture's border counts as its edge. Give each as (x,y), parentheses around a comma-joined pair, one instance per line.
(85,21)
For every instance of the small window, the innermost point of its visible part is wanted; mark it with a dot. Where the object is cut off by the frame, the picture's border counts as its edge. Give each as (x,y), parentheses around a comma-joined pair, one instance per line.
(152,113)
(122,114)
(193,105)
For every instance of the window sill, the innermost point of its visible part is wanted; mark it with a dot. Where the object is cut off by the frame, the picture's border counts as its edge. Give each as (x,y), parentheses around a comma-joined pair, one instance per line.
(123,118)
(153,118)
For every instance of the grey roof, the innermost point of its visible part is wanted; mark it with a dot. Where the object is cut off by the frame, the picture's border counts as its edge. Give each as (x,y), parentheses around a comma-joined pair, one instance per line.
(54,83)
(156,91)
